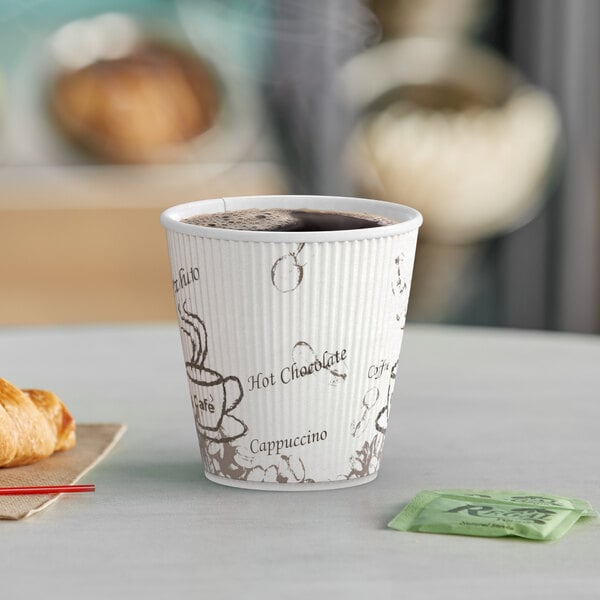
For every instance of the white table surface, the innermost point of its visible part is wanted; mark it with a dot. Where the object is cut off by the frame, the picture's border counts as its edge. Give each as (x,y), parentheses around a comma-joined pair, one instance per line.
(472,408)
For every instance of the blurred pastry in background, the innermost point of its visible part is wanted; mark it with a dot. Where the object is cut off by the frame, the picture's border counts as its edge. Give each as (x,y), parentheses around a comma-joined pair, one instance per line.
(138,108)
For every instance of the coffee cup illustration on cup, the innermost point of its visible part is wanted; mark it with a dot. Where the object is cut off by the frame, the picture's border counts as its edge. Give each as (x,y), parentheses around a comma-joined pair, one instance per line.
(214,396)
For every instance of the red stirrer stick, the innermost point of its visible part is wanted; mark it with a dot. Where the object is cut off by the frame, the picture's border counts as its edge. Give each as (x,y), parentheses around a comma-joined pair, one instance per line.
(46,489)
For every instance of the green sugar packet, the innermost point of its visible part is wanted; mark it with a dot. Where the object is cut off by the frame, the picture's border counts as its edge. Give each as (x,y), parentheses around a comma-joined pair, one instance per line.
(492,513)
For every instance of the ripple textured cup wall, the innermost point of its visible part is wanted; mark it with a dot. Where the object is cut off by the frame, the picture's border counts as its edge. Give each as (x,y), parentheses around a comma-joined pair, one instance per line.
(291,340)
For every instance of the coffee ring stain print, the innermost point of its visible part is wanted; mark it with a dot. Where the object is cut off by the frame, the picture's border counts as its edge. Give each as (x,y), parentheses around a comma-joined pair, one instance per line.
(309,361)
(214,396)
(231,461)
(287,273)
(366,461)
(381,421)
(400,289)
(368,402)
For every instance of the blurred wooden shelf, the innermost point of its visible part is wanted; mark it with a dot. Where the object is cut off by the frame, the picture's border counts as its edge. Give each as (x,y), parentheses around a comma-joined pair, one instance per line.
(84,244)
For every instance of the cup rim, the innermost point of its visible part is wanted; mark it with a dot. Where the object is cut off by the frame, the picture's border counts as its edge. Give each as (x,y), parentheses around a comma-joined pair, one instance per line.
(408,218)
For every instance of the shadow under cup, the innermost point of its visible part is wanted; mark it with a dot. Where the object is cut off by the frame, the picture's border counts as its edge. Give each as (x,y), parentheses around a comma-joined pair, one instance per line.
(291,340)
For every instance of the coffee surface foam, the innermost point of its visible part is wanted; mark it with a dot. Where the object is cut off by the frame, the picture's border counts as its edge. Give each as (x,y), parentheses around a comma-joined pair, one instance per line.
(283,219)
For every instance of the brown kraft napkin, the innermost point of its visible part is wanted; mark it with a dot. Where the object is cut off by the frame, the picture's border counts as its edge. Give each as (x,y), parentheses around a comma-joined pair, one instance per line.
(94,442)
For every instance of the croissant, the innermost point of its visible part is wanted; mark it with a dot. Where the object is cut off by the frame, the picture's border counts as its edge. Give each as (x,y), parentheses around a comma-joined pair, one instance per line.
(33,425)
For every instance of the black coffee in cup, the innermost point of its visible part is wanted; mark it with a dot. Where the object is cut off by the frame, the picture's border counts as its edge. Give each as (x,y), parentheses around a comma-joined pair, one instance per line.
(283,219)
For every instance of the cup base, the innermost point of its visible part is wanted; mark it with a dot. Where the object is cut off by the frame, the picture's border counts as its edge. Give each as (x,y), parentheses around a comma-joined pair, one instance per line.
(290,487)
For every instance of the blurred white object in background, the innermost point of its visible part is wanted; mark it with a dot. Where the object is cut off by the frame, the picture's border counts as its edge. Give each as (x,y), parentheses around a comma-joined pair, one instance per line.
(451,129)
(430,17)
(82,42)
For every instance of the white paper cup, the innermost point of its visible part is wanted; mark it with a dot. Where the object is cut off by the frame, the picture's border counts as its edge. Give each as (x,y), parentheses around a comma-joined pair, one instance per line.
(291,340)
